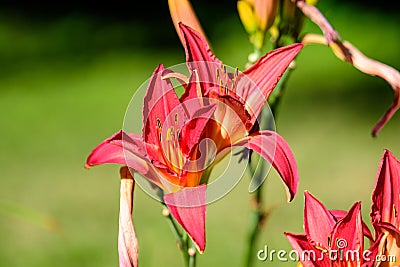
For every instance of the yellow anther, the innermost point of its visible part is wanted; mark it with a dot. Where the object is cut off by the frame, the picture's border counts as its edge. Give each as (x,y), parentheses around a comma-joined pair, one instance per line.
(170,133)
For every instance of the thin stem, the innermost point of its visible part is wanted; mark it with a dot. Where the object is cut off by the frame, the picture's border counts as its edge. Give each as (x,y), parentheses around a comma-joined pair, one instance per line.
(255,168)
(181,238)
(192,261)
(192,254)
(257,212)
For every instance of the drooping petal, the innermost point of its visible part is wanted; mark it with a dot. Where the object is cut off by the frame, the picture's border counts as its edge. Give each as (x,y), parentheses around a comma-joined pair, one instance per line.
(274,149)
(318,221)
(340,214)
(347,234)
(106,153)
(257,82)
(307,253)
(386,195)
(188,207)
(160,106)
(128,149)
(182,11)
(111,151)
(127,242)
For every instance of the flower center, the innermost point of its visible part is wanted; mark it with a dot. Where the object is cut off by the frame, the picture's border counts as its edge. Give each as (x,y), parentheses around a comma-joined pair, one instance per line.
(171,148)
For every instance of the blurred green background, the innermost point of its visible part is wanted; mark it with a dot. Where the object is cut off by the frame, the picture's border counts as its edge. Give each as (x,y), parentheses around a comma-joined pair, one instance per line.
(66,77)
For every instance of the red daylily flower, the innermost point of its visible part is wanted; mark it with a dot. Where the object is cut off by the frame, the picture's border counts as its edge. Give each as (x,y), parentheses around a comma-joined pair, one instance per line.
(332,238)
(170,153)
(385,208)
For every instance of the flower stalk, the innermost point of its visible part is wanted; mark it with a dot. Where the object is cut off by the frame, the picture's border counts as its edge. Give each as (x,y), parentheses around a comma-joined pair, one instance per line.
(182,239)
(256,166)
(257,219)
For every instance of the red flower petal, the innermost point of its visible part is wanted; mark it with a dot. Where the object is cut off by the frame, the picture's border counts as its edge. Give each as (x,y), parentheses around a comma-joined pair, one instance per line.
(386,195)
(111,151)
(194,128)
(161,109)
(350,231)
(340,214)
(318,221)
(196,47)
(257,82)
(188,207)
(308,254)
(199,56)
(125,149)
(274,149)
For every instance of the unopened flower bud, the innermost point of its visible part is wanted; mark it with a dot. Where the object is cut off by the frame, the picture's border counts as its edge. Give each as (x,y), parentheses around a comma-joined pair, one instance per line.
(257,15)
(182,11)
(247,16)
(265,11)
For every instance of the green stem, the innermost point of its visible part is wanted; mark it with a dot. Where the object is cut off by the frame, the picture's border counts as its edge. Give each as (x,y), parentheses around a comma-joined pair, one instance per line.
(192,261)
(257,213)
(192,255)
(181,238)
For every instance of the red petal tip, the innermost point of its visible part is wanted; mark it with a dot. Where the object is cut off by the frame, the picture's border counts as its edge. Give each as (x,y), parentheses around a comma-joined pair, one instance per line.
(188,207)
